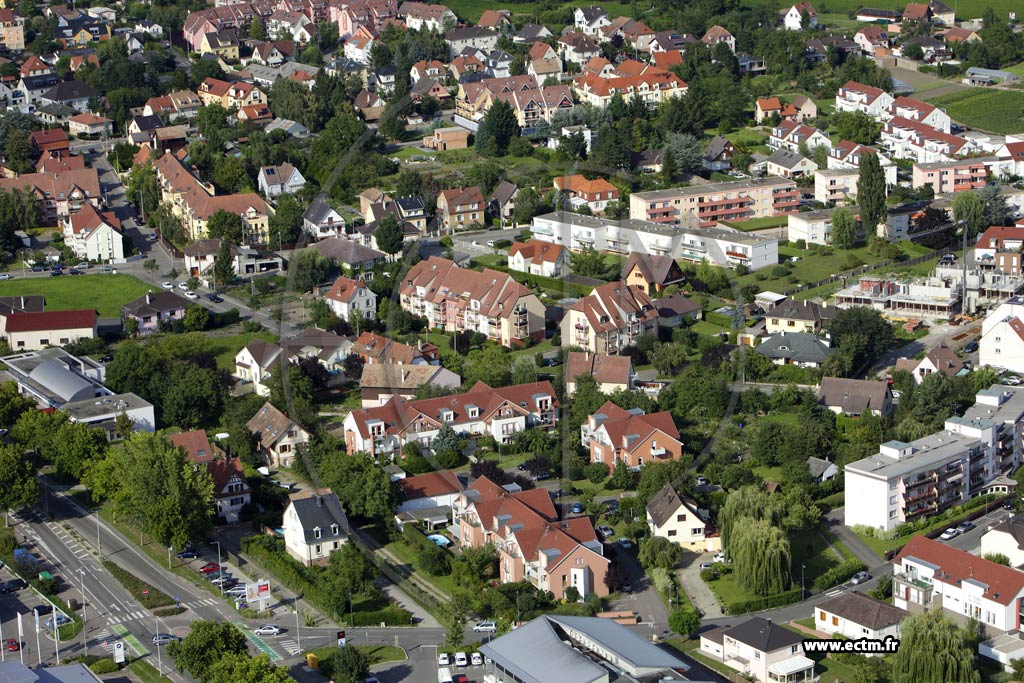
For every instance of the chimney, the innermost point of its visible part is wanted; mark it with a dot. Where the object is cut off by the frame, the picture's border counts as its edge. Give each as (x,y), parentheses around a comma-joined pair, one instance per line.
(149,297)
(419,344)
(319,501)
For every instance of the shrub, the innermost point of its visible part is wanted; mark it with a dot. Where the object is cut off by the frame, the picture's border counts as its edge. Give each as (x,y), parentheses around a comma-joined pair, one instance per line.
(104,666)
(839,574)
(767,602)
(596,472)
(149,599)
(392,616)
(684,621)
(780,271)
(720,319)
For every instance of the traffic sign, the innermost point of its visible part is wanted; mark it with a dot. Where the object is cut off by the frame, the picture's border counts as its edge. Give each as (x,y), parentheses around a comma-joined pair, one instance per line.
(145,591)
(119,652)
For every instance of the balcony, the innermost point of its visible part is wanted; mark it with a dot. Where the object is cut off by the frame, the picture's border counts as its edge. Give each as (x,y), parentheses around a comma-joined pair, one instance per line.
(658,452)
(909,580)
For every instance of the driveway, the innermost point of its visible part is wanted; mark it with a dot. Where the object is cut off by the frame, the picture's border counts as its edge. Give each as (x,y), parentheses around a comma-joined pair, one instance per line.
(700,595)
(644,599)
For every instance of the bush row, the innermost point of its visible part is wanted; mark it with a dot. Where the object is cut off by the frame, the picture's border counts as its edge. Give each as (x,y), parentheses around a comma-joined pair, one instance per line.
(148,596)
(269,553)
(767,602)
(720,319)
(392,616)
(838,574)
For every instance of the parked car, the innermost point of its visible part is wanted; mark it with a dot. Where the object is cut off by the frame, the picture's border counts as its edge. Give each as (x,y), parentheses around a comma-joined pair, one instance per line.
(1011,380)
(13,645)
(235,590)
(268,630)
(476,660)
(625,543)
(5,276)
(461,659)
(605,531)
(209,567)
(443,659)
(191,295)
(60,621)
(188,554)
(1008,505)
(56,273)
(542,475)
(485,627)
(74,271)
(183,286)
(225,582)
(167,285)
(970,347)
(702,481)
(43,609)
(965,526)
(707,565)
(612,506)
(859,577)
(949,534)
(719,557)
(576,509)
(106,269)
(460,678)
(214,298)
(165,638)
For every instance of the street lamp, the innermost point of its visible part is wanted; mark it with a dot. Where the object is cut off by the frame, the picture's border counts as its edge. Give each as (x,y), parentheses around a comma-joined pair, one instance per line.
(802,568)
(217,543)
(81,586)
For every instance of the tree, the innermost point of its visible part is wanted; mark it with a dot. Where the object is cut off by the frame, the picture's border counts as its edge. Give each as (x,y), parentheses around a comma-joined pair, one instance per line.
(18,485)
(285,226)
(241,668)
(309,268)
(969,207)
(389,235)
(591,263)
(863,331)
(749,502)
(686,150)
(855,126)
(192,396)
(225,225)
(12,404)
(668,167)
(871,192)
(196,318)
(206,644)
(573,146)
(761,556)
(843,228)
(684,621)
(933,649)
(997,210)
(446,440)
(657,551)
(348,665)
(257,29)
(497,130)
(365,489)
(229,174)
(223,266)
(489,365)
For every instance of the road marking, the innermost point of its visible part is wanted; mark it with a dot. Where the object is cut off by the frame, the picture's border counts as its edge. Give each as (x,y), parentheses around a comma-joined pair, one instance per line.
(260,644)
(292,647)
(132,641)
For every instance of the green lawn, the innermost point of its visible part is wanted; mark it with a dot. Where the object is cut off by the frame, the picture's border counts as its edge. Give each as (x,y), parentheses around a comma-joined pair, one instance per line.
(146,672)
(1015,69)
(106,293)
(472,9)
(225,348)
(708,329)
(377,654)
(757,223)
(997,111)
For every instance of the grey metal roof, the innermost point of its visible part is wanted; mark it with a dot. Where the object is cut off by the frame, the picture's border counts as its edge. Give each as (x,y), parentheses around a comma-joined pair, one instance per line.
(929,452)
(796,346)
(317,210)
(65,384)
(13,671)
(321,512)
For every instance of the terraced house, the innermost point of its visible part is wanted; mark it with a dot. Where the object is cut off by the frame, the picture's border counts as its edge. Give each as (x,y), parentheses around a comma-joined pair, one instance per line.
(533,545)
(459,300)
(481,411)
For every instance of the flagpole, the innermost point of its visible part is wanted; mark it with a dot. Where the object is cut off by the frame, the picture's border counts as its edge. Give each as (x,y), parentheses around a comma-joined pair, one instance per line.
(21,639)
(39,649)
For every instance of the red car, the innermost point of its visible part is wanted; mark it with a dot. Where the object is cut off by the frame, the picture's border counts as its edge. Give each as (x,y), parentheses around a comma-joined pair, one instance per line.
(209,568)
(460,678)
(13,645)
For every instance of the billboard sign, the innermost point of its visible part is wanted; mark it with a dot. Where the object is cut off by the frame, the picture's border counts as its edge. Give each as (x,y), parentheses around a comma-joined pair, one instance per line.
(258,591)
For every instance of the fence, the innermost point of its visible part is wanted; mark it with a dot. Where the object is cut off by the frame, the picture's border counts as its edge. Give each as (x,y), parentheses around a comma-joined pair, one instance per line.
(862,270)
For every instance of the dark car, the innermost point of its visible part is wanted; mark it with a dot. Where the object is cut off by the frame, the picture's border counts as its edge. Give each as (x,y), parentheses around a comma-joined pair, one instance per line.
(965,526)
(612,506)
(43,609)
(1008,505)
(56,273)
(970,347)
(521,467)
(74,271)
(106,359)
(576,509)
(14,585)
(214,298)
(542,475)
(188,554)
(37,269)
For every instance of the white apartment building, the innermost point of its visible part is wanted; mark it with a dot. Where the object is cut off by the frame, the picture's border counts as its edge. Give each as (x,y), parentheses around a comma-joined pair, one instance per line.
(1002,336)
(718,246)
(854,96)
(814,227)
(835,185)
(904,482)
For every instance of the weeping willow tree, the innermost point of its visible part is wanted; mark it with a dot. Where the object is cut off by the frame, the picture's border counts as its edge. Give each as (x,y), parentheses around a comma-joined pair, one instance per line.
(760,555)
(933,650)
(751,502)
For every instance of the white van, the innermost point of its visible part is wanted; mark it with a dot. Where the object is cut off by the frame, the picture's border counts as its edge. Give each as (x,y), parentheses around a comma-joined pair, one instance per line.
(444,675)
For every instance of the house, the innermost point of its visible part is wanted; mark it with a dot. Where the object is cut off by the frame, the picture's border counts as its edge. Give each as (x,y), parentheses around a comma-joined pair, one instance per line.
(922,112)
(456,299)
(800,16)
(928,574)
(653,87)
(766,107)
(796,348)
(718,154)
(373,348)
(274,181)
(871,39)
(350,299)
(459,208)
(355,260)
(461,37)
(908,139)
(959,34)
(315,525)
(93,236)
(421,16)
(793,315)
(846,155)
(53,140)
(154,312)
(1002,339)
(278,436)
(531,33)
(821,470)
(815,227)
(12,30)
(502,202)
(326,347)
(681,521)
(292,128)
(854,96)
(33,87)
(1005,538)
(999,247)
(102,413)
(791,136)
(590,20)
(230,95)
(430,498)
(533,545)
(321,221)
(787,164)
(255,362)
(759,649)
(915,11)
(676,310)
(854,615)
(715,35)
(89,125)
(427,69)
(32,331)
(382,381)
(651,272)
(578,48)
(230,491)
(223,44)
(609,319)
(480,411)
(940,359)
(447,138)
(539,258)
(429,87)
(613,434)
(612,373)
(950,176)
(594,194)
(855,397)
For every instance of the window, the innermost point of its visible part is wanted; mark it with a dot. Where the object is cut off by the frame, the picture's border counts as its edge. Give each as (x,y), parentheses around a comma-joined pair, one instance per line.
(892,485)
(316,532)
(316,549)
(892,500)
(334,530)
(680,518)
(671,532)
(64,340)
(835,621)
(892,514)
(44,342)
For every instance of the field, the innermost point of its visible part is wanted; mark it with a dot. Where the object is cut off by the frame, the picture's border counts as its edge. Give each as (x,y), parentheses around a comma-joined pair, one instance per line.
(472,9)
(995,111)
(105,293)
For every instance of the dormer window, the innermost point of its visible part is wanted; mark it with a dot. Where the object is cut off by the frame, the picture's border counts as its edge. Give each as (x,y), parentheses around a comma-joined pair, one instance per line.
(334,530)
(316,532)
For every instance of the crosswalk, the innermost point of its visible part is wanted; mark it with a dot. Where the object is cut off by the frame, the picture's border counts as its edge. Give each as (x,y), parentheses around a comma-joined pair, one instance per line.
(292,647)
(121,617)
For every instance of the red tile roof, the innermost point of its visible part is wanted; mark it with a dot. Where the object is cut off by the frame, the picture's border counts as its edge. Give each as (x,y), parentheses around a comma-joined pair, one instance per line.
(430,484)
(196,445)
(51,320)
(999,232)
(1002,584)
(537,250)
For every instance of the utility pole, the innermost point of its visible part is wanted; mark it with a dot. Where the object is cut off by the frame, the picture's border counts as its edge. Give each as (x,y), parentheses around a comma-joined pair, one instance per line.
(81,586)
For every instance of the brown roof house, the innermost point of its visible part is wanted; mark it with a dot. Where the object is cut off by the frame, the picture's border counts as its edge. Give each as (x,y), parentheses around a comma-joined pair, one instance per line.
(651,272)
(611,373)
(429,498)
(855,615)
(940,359)
(539,258)
(794,315)
(609,319)
(230,491)
(279,436)
(855,397)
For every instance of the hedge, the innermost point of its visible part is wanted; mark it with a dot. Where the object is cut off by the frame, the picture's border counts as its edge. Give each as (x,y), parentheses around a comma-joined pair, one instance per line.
(104,666)
(838,574)
(392,616)
(720,319)
(147,595)
(767,602)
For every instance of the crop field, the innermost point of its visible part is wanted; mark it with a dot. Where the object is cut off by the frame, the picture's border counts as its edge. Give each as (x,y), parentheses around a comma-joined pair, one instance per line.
(995,111)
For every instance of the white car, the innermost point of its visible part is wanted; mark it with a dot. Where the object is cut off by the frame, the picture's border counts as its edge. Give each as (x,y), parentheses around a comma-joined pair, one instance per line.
(183,286)
(476,660)
(443,659)
(164,638)
(267,630)
(236,590)
(949,534)
(1012,380)
(191,295)
(719,557)
(485,627)
(5,276)
(167,285)
(461,659)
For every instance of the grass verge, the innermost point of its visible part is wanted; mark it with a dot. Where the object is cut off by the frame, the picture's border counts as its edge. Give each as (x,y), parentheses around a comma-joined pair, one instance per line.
(148,596)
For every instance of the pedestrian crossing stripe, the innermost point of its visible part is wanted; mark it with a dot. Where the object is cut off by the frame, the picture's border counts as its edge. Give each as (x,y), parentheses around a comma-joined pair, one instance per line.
(292,647)
(132,641)
(260,644)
